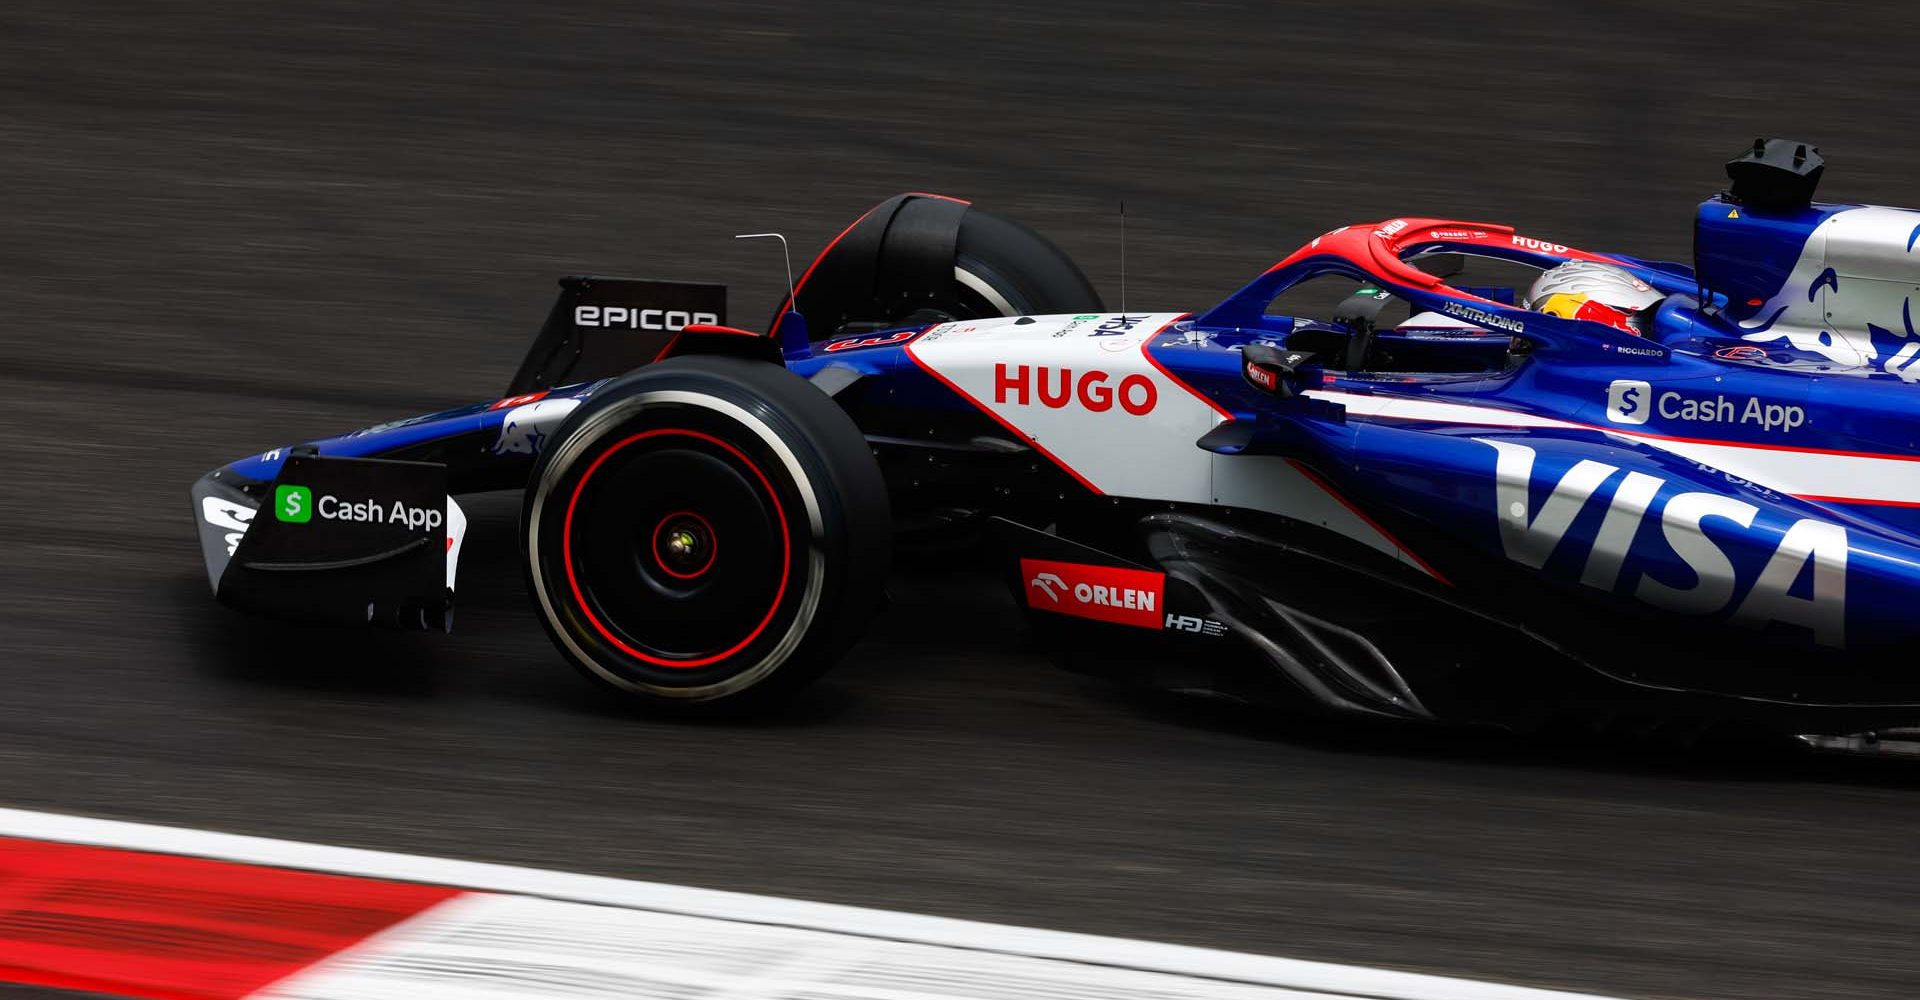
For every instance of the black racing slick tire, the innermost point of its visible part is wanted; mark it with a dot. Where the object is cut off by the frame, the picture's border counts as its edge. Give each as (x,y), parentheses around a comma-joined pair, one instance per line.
(919,259)
(1010,270)
(706,531)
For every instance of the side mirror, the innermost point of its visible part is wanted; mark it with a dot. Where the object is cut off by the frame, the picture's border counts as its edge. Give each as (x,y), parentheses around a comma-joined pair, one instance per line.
(1271,369)
(1358,314)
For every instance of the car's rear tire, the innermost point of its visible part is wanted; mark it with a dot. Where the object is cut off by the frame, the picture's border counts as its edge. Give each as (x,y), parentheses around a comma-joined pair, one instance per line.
(706,531)
(1025,273)
(919,259)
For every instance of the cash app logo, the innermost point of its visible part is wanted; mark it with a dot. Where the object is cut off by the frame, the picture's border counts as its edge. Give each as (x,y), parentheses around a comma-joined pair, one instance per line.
(293,504)
(1629,401)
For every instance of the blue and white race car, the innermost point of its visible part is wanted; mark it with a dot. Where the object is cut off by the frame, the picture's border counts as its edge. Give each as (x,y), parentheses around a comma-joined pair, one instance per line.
(1608,489)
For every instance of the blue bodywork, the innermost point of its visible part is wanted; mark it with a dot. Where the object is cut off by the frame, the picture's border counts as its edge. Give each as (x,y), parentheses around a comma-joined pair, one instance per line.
(1702,473)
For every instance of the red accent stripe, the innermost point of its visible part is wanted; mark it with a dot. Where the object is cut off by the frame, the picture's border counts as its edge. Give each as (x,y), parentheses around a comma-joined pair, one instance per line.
(942,197)
(711,328)
(1146,352)
(151,925)
(786,304)
(1795,449)
(1002,421)
(1371,523)
(1856,500)
(1365,235)
(1563,424)
(699,328)
(779,513)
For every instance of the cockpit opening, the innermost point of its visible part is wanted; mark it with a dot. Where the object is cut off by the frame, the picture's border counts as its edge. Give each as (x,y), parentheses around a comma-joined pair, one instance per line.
(1360,326)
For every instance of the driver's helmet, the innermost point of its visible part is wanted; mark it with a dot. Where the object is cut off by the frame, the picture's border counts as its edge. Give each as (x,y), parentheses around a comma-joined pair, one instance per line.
(1590,290)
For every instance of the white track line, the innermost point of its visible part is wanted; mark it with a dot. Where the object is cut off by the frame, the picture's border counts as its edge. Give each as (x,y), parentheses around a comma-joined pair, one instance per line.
(1315,978)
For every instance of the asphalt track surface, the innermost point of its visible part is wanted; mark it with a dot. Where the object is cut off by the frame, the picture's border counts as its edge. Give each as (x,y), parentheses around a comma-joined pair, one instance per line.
(230,226)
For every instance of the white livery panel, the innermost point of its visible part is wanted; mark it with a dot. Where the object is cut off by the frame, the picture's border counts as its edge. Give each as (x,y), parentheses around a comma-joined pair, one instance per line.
(1082,390)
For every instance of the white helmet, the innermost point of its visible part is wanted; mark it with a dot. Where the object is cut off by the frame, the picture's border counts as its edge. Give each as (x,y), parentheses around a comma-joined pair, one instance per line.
(1602,283)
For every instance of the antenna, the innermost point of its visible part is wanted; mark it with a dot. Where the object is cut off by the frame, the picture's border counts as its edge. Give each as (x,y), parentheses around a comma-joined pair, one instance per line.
(1123,256)
(783,253)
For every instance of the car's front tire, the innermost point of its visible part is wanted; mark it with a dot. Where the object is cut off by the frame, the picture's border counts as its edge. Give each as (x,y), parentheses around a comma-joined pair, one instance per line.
(706,531)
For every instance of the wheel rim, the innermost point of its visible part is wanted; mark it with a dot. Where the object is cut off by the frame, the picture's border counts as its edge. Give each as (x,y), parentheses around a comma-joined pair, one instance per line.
(641,545)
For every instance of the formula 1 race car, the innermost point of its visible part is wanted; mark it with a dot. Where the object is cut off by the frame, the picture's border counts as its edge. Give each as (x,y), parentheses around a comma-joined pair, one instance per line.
(1499,509)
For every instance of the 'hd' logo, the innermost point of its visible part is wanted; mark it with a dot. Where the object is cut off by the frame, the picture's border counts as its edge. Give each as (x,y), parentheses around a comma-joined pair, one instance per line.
(1629,401)
(293,504)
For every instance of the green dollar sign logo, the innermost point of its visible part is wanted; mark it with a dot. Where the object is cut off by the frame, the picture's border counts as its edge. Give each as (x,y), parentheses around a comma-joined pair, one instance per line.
(293,504)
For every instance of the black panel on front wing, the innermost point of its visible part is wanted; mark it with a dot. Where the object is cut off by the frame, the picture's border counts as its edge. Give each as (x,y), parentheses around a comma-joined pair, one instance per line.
(347,540)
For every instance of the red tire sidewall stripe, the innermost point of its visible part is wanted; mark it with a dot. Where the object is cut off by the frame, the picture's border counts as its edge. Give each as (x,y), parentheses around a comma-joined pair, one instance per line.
(786,550)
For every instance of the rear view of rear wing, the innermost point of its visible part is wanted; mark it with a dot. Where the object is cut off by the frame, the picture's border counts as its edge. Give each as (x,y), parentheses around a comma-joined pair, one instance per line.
(345,540)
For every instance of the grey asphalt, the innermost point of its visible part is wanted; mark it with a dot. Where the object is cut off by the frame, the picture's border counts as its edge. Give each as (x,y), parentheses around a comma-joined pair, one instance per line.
(227,226)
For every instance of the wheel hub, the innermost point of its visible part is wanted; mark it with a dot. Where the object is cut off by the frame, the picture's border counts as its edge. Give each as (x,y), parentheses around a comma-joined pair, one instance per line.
(684,545)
